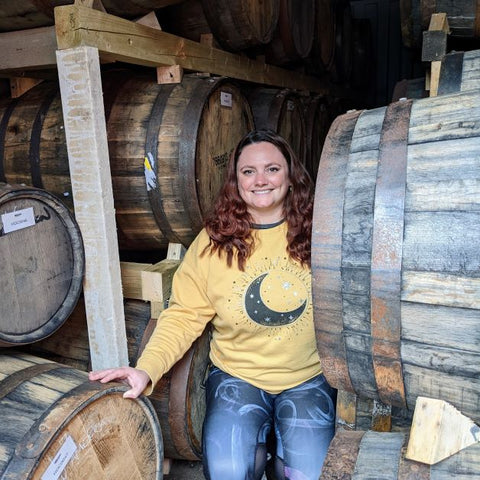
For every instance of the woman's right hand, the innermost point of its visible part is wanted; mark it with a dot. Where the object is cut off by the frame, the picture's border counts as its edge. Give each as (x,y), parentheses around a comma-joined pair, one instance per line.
(137,379)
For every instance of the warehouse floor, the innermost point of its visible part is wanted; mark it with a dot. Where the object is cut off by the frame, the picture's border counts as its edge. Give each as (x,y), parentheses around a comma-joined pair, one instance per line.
(185,470)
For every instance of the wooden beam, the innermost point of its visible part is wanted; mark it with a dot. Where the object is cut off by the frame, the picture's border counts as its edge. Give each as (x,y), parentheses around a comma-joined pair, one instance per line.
(28,49)
(130,42)
(86,135)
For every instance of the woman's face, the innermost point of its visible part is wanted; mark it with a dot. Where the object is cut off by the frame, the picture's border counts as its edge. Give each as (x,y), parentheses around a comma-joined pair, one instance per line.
(263,181)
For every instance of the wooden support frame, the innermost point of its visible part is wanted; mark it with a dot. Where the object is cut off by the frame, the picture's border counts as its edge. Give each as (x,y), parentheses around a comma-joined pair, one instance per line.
(86,134)
(123,40)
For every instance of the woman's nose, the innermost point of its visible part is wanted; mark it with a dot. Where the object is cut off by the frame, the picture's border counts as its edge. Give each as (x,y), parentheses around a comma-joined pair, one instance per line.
(260,178)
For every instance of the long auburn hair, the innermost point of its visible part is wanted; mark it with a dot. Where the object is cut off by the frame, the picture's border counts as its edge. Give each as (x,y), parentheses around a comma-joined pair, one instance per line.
(229,224)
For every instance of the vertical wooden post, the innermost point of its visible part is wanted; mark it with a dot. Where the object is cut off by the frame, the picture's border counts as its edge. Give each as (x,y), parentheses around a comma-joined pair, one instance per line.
(85,129)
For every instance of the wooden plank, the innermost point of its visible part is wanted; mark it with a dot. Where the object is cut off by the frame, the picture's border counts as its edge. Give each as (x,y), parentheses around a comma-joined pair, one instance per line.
(85,129)
(132,279)
(157,280)
(438,431)
(441,289)
(28,49)
(130,42)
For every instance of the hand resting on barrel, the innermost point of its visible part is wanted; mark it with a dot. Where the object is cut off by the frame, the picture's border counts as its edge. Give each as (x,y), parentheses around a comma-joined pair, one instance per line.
(137,379)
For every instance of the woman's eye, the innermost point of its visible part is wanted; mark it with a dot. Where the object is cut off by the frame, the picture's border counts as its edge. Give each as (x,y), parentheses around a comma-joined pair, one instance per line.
(273,169)
(247,172)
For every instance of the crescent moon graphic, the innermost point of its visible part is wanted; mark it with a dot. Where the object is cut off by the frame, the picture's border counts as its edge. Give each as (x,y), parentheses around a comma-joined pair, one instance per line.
(263,315)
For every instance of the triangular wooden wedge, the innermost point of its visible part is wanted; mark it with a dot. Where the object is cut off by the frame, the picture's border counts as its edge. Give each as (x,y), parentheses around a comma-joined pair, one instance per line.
(438,431)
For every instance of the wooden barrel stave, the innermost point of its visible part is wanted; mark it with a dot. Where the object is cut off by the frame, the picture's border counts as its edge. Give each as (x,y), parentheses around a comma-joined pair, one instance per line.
(179,397)
(381,455)
(440,263)
(184,128)
(42,266)
(55,410)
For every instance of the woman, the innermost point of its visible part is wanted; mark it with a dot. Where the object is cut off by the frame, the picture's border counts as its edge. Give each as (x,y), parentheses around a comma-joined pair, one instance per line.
(248,273)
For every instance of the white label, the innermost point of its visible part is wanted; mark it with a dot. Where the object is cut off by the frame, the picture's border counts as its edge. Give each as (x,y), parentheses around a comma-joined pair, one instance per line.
(17,220)
(59,462)
(226,99)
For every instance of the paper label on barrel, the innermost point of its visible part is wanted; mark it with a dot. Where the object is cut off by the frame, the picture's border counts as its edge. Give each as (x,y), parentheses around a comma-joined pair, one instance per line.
(61,459)
(226,99)
(17,220)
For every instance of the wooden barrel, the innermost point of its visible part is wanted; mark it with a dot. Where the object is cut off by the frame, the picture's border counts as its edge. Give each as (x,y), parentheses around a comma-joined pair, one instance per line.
(33,13)
(395,256)
(179,397)
(242,24)
(341,70)
(58,424)
(463,18)
(186,19)
(168,147)
(459,71)
(280,111)
(412,88)
(292,40)
(317,122)
(322,54)
(42,264)
(381,456)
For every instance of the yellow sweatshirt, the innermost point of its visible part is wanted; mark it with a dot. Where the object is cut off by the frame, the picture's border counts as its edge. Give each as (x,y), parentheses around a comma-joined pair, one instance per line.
(262,318)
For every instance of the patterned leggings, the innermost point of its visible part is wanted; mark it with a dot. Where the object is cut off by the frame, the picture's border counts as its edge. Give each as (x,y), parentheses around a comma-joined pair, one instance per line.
(240,416)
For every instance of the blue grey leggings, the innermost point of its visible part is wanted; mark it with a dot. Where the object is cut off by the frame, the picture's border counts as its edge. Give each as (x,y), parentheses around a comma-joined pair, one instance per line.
(240,416)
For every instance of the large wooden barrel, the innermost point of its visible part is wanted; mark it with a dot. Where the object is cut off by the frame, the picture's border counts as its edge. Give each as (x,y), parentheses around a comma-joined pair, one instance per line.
(179,397)
(381,456)
(463,18)
(58,424)
(242,24)
(168,147)
(280,111)
(395,256)
(292,40)
(24,14)
(41,263)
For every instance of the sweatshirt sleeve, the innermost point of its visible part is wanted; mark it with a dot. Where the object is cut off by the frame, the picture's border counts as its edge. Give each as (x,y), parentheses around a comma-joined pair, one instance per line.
(186,317)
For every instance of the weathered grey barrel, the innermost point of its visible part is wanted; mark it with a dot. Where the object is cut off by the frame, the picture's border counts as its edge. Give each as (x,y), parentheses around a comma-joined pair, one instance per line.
(168,146)
(42,264)
(381,456)
(24,14)
(463,18)
(178,399)
(395,255)
(58,424)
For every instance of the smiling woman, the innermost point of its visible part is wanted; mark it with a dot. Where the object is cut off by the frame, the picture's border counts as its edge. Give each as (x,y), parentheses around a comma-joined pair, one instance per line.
(248,275)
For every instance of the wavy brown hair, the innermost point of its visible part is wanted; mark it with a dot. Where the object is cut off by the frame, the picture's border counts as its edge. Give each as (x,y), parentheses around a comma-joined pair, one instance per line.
(229,224)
